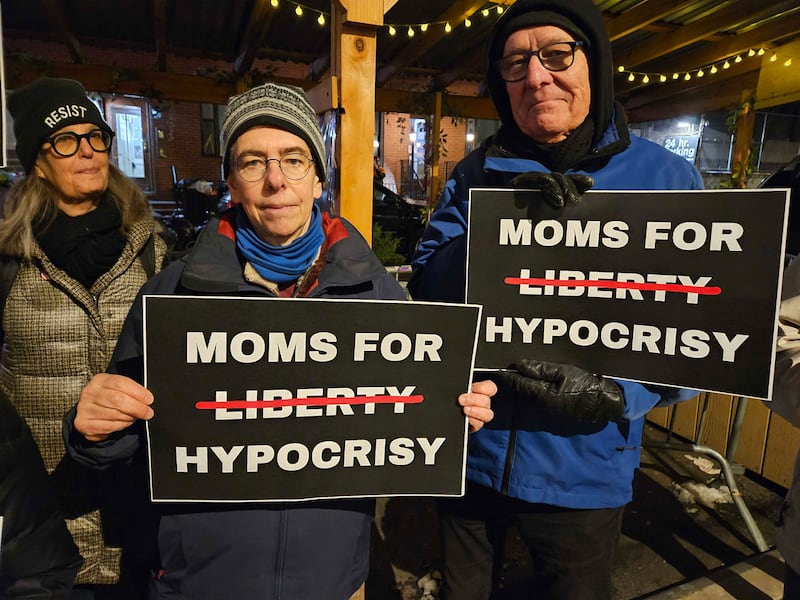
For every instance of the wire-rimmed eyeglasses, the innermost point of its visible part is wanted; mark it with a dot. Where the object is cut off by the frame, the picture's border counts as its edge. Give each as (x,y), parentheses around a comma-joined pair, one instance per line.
(553,57)
(294,166)
(67,143)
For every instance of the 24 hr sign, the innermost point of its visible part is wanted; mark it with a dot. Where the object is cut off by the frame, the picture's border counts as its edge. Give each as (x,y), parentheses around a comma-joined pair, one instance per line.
(677,288)
(260,399)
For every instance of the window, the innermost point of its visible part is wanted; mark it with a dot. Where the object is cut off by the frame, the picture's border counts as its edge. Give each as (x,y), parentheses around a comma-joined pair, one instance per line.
(211,117)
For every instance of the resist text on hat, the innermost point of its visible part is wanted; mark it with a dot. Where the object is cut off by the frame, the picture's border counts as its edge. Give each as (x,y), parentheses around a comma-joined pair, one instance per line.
(64,112)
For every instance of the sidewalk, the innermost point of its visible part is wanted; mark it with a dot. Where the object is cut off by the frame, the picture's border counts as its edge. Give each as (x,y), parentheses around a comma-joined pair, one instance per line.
(680,527)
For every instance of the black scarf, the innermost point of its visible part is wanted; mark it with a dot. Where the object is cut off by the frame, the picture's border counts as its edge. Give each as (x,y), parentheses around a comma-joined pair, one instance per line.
(559,156)
(86,246)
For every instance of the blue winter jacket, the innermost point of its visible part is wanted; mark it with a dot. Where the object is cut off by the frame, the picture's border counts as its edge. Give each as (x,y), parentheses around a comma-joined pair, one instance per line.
(271,551)
(523,453)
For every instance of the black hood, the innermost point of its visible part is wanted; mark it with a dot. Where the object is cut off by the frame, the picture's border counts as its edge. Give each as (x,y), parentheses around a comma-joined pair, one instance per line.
(583,20)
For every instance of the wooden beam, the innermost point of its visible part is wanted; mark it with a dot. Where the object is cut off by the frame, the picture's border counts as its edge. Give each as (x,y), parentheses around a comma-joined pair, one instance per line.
(659,92)
(354,24)
(160,31)
(464,63)
(710,98)
(640,16)
(54,11)
(761,36)
(467,107)
(457,12)
(663,44)
(258,24)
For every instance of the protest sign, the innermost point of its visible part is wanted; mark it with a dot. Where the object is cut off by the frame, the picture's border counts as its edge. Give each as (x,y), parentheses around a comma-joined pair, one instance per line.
(262,399)
(676,288)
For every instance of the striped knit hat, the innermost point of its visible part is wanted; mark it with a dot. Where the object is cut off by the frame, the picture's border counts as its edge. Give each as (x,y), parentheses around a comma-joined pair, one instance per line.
(282,106)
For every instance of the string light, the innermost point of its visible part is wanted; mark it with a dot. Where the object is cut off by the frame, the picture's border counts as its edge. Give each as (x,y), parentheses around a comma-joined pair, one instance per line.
(274,3)
(298,11)
(321,19)
(699,72)
(410,32)
(423,28)
(467,23)
(447,28)
(392,30)
(485,12)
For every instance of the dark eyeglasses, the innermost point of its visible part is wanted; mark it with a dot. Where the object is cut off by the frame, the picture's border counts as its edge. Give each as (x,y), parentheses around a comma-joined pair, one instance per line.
(553,57)
(294,166)
(67,143)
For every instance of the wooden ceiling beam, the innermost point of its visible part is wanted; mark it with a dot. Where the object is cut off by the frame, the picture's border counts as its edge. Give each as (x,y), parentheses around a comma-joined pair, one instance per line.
(663,44)
(660,92)
(709,98)
(258,25)
(465,63)
(640,16)
(759,37)
(160,33)
(456,13)
(54,11)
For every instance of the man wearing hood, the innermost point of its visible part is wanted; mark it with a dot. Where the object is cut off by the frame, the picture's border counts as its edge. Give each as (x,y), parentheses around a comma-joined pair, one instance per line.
(558,459)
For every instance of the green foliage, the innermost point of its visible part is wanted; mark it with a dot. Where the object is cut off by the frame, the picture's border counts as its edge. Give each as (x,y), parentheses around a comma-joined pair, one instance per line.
(384,245)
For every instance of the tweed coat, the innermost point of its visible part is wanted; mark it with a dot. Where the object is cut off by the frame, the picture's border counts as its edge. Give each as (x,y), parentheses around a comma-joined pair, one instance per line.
(58,334)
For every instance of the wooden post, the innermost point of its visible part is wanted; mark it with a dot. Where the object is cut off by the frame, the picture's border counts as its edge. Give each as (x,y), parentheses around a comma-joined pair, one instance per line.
(436,150)
(354,24)
(745,123)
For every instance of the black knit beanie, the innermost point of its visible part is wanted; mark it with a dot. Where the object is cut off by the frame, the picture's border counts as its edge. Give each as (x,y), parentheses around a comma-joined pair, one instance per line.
(45,106)
(583,20)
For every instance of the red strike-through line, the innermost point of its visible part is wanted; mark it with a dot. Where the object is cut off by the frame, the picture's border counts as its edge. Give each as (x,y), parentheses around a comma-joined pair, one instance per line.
(627,285)
(211,405)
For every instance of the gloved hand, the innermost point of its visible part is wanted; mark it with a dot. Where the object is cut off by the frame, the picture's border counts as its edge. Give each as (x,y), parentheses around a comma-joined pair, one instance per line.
(558,189)
(567,391)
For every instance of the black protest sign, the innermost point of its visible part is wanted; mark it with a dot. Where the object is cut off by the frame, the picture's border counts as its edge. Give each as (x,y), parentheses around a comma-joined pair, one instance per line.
(676,288)
(262,399)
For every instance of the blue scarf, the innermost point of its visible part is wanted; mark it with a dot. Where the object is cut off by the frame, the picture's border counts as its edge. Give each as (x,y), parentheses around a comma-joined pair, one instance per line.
(279,264)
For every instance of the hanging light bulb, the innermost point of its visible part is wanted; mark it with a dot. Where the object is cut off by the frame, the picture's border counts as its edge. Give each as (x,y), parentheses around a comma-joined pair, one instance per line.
(687,77)
(499,10)
(761,52)
(700,73)
(713,69)
(662,78)
(298,11)
(467,23)
(751,52)
(392,30)
(738,58)
(274,3)
(485,12)
(773,58)
(646,78)
(410,31)
(423,28)
(726,65)
(321,19)
(788,62)
(620,69)
(675,75)
(447,28)
(631,77)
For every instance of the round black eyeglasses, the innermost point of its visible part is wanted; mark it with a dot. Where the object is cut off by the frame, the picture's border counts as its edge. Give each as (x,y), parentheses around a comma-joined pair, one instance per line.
(67,143)
(553,57)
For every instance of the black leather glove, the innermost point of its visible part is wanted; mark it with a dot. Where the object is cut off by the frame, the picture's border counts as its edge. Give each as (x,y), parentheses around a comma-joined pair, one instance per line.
(567,391)
(558,189)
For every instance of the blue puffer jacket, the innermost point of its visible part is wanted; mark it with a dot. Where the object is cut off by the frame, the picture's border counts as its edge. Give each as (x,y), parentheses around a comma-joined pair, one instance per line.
(275,551)
(522,453)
